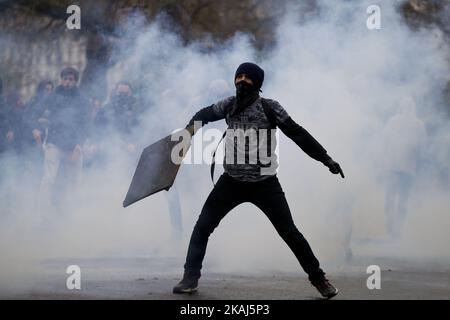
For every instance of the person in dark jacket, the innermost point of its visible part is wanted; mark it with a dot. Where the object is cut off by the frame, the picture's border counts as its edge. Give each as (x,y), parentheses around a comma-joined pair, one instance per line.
(123,108)
(123,113)
(37,108)
(18,138)
(253,181)
(97,126)
(67,118)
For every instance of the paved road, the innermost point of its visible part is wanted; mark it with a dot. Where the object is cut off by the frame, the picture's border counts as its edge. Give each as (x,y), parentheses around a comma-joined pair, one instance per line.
(146,278)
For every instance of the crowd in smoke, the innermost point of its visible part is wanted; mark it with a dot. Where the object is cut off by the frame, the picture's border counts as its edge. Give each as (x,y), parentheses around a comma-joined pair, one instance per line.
(370,97)
(60,125)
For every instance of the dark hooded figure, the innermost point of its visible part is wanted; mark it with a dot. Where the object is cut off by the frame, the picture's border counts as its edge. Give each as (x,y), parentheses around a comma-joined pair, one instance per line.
(123,109)
(123,113)
(253,181)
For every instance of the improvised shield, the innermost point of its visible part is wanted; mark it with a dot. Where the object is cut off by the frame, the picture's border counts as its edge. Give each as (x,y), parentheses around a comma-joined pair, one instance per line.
(156,170)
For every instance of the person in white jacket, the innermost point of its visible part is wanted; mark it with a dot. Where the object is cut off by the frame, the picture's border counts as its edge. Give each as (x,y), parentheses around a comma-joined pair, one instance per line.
(403,138)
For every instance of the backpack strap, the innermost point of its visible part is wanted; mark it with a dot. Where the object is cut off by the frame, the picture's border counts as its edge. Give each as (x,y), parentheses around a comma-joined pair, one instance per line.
(228,109)
(213,162)
(269,113)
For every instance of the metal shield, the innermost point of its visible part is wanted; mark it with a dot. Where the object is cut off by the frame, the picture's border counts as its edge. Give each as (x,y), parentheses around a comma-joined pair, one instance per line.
(155,171)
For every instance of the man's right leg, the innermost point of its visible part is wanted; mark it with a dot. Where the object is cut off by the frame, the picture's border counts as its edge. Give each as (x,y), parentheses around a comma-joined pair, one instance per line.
(223,198)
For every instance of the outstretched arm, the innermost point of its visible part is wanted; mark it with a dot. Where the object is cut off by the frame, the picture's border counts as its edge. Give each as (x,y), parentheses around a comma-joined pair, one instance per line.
(212,113)
(301,137)
(304,140)
(205,115)
(308,144)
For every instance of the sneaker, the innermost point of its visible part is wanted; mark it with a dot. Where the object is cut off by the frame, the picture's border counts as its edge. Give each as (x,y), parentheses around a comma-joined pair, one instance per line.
(326,289)
(186,285)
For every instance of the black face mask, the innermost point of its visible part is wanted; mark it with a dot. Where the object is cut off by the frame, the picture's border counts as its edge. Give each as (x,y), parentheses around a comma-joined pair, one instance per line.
(246,94)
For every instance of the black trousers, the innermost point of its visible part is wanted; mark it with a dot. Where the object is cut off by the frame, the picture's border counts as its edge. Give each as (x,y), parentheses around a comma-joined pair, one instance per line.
(266,195)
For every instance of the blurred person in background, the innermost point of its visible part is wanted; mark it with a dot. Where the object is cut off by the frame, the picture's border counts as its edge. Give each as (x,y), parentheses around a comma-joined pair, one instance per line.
(93,149)
(66,120)
(123,111)
(37,108)
(18,137)
(403,140)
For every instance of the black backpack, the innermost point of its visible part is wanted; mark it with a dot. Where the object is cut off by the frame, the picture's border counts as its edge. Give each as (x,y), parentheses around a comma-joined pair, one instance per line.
(267,111)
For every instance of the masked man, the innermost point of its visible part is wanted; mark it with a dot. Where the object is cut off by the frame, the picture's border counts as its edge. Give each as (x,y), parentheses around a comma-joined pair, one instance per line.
(253,181)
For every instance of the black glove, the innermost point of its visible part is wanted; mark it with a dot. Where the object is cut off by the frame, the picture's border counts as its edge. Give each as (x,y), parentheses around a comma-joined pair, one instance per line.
(334,167)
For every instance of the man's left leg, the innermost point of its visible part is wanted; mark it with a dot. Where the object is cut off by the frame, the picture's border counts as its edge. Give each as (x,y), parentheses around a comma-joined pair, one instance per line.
(270,198)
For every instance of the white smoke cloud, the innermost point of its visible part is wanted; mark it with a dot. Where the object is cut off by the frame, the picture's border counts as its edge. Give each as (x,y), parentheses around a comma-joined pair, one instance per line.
(338,79)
